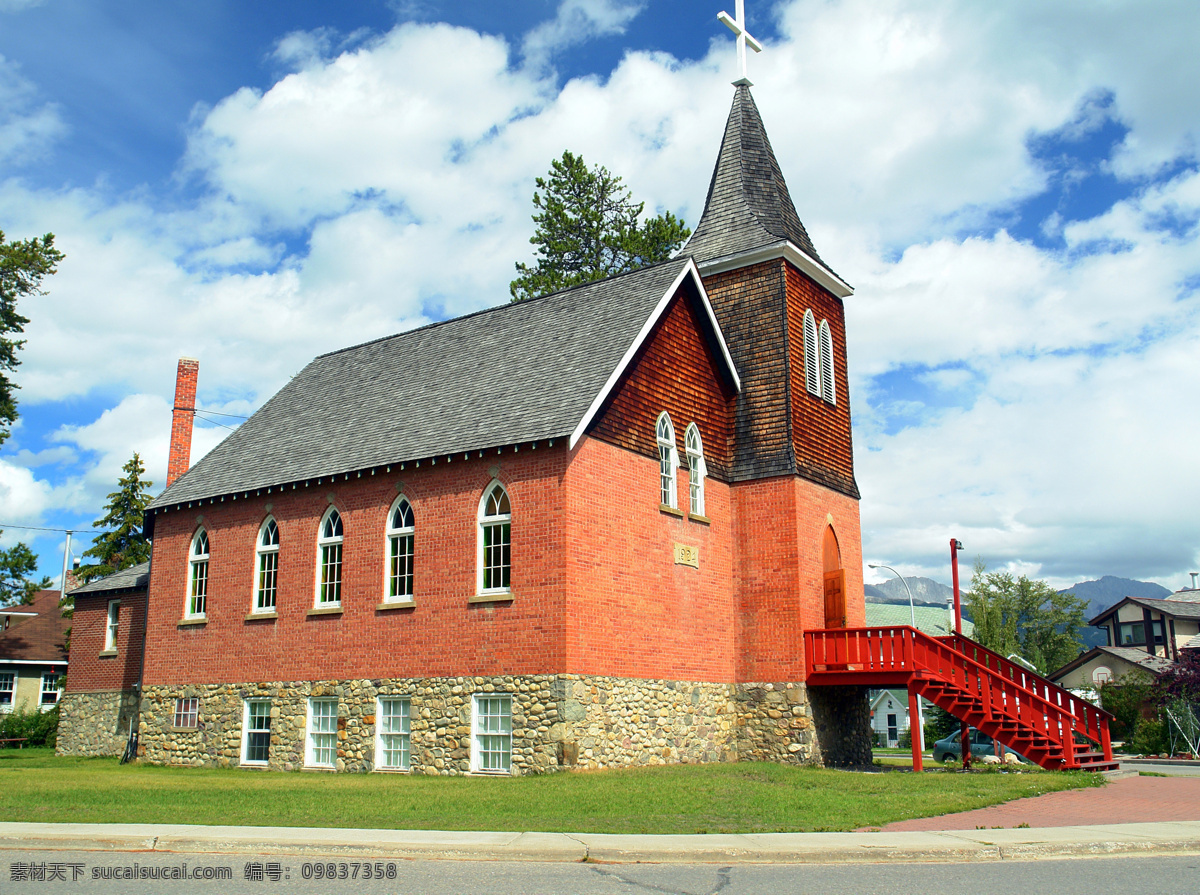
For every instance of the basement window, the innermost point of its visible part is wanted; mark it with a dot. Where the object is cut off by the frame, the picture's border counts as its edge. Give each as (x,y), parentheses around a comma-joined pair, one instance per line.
(491,742)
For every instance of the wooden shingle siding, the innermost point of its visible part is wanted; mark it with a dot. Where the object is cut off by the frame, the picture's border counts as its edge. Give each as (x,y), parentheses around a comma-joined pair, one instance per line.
(675,371)
(820,430)
(750,307)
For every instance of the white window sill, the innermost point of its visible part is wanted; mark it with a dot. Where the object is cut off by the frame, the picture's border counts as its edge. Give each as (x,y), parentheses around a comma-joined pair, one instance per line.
(320,768)
(262,616)
(396,604)
(407,770)
(326,610)
(104,654)
(503,596)
(192,620)
(260,765)
(669,510)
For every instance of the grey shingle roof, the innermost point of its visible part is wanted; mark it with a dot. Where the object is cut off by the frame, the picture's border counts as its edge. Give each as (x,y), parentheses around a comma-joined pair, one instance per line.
(134,578)
(516,373)
(748,204)
(1175,607)
(1138,657)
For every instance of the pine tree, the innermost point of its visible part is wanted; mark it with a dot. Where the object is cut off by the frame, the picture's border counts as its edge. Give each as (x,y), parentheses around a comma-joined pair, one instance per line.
(588,228)
(17,563)
(122,543)
(23,264)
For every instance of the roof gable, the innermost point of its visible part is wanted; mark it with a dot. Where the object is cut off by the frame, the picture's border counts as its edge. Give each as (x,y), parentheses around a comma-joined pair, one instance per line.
(517,373)
(1174,608)
(41,638)
(133,578)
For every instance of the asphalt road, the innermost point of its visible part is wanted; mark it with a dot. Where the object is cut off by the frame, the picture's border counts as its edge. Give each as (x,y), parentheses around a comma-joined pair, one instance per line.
(1156,875)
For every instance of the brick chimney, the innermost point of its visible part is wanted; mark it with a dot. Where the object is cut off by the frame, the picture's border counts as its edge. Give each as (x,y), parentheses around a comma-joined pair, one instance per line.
(181,420)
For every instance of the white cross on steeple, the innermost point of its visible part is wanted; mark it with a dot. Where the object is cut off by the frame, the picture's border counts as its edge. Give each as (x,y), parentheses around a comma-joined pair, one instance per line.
(738,27)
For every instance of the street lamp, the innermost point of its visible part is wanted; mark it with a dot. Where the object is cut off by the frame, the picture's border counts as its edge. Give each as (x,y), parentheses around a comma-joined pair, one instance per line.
(912,614)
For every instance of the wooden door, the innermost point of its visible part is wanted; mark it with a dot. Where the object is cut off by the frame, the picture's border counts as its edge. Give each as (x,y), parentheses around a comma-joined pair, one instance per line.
(835,599)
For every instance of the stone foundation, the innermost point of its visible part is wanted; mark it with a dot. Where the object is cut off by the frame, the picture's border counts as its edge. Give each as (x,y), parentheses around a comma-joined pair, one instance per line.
(558,721)
(96,722)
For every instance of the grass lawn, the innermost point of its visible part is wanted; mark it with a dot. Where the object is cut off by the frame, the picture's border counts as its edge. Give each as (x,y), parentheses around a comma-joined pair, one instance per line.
(36,785)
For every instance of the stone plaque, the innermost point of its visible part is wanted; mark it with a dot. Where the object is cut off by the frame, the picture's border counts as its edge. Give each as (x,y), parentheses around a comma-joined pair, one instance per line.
(687,556)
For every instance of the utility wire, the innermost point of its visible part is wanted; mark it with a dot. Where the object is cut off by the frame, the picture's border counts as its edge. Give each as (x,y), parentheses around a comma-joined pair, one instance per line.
(39,528)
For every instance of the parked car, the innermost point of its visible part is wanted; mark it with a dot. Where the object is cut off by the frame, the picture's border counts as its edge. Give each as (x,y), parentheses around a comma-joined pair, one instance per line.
(950,748)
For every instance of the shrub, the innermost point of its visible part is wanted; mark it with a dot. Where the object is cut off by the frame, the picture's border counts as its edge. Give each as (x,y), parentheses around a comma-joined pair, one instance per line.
(1126,699)
(38,728)
(1150,737)
(905,740)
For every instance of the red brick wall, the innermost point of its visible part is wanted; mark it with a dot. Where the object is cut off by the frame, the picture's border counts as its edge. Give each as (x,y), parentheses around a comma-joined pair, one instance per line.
(820,431)
(181,418)
(675,371)
(442,635)
(779,527)
(632,612)
(87,669)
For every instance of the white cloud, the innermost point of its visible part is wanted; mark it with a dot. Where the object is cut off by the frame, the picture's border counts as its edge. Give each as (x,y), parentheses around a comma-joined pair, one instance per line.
(18,5)
(28,126)
(576,22)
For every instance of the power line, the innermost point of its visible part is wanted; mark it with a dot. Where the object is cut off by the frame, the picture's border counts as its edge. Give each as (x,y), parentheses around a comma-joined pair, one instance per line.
(214,422)
(39,528)
(218,413)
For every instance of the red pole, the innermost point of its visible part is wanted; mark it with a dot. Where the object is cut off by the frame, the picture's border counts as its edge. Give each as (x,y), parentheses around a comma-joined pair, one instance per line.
(955,546)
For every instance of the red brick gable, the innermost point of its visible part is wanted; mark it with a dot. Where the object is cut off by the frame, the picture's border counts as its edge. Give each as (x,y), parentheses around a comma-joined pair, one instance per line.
(820,430)
(94,668)
(675,370)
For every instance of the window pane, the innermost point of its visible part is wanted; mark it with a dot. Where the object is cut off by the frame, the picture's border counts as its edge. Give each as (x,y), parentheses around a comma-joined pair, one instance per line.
(331,573)
(394,733)
(401,574)
(199,595)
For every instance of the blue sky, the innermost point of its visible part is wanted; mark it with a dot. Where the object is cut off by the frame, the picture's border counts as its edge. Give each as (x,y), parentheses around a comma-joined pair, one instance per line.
(1012,191)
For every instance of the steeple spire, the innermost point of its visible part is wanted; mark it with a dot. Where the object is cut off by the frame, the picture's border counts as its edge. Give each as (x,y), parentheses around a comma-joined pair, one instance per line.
(748,205)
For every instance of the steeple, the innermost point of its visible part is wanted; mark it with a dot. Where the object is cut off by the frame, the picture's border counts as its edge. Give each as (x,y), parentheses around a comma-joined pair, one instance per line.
(748,205)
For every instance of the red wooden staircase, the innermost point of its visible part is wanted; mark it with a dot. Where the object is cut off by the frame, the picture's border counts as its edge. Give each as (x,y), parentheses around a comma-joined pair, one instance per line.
(1024,711)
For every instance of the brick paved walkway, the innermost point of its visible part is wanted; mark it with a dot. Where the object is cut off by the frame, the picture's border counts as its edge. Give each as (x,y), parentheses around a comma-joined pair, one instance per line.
(1125,801)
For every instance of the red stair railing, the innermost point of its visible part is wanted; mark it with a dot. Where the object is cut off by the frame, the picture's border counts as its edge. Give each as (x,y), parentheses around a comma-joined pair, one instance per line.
(971,680)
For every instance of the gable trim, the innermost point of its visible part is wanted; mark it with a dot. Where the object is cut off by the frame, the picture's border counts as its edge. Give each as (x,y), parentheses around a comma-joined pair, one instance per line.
(691,270)
(787,250)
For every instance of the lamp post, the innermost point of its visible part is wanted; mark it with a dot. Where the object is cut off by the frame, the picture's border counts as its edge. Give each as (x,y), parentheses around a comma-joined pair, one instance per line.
(919,739)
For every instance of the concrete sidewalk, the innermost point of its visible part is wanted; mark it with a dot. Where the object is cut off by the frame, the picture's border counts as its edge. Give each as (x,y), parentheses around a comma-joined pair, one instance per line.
(1181,837)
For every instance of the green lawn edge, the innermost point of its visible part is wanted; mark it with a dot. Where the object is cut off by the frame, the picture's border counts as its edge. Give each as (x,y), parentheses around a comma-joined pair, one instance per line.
(747,797)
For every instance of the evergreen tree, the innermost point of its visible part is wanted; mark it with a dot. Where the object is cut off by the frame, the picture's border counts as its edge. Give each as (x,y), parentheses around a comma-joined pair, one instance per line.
(588,228)
(16,565)
(122,543)
(1026,617)
(23,264)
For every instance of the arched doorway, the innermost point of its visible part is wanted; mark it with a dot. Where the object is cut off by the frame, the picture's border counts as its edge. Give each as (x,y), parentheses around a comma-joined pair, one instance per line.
(835,580)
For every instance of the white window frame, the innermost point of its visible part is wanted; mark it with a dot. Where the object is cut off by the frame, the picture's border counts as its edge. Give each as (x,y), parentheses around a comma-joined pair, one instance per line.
(246,732)
(491,733)
(697,469)
(489,525)
(321,733)
(393,733)
(8,688)
(266,568)
(812,363)
(187,709)
(828,379)
(55,678)
(668,461)
(196,602)
(400,548)
(112,626)
(328,591)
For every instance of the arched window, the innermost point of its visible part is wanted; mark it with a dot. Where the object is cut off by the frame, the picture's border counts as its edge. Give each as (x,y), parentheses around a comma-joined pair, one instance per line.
(668,461)
(495,541)
(812,373)
(197,604)
(329,557)
(696,468)
(267,581)
(828,392)
(400,552)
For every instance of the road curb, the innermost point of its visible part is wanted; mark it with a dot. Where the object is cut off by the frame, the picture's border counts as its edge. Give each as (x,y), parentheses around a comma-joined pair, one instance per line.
(776,848)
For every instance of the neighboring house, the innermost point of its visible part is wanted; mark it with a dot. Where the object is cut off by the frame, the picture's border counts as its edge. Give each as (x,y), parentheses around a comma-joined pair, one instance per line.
(889,714)
(931,620)
(589,529)
(1089,671)
(1160,628)
(33,654)
(100,702)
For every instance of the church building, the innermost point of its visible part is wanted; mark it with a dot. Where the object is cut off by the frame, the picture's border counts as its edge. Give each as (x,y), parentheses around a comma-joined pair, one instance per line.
(585,530)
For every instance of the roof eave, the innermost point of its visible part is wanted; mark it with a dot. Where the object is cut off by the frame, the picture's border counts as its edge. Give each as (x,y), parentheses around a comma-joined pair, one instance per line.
(689,269)
(790,252)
